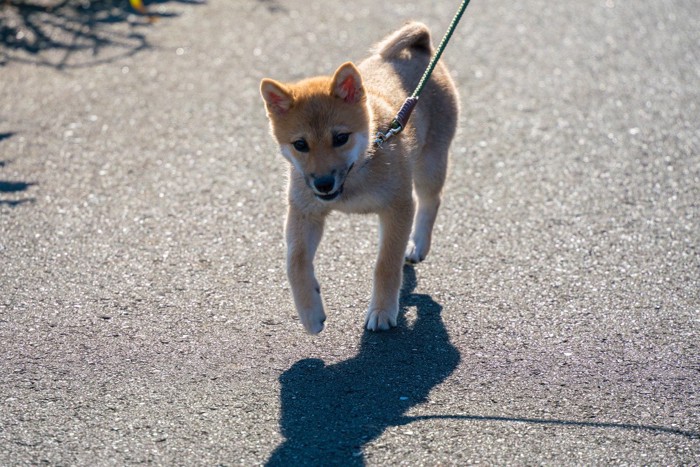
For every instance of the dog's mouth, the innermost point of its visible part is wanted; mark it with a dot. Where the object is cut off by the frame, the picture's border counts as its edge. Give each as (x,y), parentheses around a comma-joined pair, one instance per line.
(330,196)
(336,193)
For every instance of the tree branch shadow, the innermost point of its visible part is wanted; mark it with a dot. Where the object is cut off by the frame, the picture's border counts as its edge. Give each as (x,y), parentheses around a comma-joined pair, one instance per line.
(14,187)
(7,186)
(75,33)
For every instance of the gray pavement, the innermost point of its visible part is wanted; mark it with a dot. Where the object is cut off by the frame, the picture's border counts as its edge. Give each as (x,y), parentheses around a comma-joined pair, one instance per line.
(144,312)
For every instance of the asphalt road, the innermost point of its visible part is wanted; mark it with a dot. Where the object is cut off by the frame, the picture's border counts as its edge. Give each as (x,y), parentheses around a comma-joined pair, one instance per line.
(144,312)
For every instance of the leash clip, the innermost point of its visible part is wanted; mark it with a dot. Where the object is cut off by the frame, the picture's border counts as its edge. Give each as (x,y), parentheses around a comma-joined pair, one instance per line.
(399,122)
(382,138)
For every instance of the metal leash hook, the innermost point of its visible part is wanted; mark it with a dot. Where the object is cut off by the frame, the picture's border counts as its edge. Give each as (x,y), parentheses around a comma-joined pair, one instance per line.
(398,123)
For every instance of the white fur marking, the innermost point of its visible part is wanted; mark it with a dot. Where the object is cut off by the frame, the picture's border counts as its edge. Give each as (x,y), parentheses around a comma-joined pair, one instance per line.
(287,153)
(381,320)
(358,148)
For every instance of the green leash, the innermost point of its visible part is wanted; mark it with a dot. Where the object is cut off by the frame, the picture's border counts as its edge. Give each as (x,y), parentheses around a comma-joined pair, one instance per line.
(401,119)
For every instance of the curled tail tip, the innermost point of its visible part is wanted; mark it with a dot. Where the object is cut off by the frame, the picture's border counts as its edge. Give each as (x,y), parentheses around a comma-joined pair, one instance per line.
(413,34)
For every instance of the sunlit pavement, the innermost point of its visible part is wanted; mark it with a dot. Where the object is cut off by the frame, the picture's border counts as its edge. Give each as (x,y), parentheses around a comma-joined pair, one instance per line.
(145,314)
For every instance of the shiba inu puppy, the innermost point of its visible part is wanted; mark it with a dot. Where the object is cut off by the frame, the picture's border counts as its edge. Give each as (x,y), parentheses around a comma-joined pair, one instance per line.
(325,127)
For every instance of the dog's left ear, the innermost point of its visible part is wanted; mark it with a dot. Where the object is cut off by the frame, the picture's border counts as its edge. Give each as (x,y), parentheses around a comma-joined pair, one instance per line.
(347,84)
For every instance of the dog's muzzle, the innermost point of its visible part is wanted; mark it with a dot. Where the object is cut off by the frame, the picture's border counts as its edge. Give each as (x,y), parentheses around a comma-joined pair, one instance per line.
(323,186)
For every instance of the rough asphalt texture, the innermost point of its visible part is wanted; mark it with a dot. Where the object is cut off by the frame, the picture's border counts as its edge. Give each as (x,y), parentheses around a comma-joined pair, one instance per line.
(144,310)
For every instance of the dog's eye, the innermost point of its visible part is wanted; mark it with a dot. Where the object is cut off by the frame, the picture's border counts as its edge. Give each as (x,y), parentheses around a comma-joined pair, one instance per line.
(340,139)
(301,145)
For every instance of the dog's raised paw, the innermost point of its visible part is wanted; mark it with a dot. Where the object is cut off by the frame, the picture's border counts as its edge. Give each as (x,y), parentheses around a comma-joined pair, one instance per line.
(313,321)
(381,320)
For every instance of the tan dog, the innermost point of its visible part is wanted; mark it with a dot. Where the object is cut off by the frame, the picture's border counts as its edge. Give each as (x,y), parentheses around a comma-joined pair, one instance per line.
(325,126)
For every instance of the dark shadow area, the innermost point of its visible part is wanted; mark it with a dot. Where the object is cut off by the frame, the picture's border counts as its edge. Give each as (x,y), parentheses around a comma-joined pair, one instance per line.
(273,6)
(12,187)
(15,203)
(330,412)
(75,33)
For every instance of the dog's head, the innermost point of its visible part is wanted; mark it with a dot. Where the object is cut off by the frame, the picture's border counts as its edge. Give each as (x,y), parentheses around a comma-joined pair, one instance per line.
(321,125)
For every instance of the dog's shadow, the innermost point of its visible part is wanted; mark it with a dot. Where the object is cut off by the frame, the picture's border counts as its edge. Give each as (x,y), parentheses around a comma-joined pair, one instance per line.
(330,412)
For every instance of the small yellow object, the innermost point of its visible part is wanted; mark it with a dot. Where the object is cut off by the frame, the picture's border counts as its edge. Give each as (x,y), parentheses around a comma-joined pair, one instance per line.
(138,6)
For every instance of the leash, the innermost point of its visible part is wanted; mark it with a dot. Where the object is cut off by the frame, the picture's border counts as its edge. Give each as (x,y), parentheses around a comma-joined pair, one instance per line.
(401,119)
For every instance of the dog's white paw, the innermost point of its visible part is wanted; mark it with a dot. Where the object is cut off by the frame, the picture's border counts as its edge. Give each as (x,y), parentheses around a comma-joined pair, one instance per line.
(416,251)
(381,320)
(313,319)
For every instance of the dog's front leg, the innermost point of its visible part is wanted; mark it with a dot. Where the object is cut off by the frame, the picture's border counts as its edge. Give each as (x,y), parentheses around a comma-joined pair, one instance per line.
(394,230)
(304,233)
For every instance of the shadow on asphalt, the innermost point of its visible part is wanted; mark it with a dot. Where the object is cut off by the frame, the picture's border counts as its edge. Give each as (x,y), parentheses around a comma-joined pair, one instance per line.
(554,422)
(54,33)
(330,412)
(12,187)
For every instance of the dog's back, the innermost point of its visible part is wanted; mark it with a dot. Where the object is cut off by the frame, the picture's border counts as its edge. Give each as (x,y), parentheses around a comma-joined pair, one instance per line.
(394,70)
(391,74)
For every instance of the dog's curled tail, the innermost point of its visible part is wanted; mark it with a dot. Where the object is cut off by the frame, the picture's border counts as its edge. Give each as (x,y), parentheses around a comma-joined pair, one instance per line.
(413,35)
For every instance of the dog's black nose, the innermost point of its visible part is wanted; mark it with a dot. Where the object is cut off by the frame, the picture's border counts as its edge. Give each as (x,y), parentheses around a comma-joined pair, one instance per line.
(324,184)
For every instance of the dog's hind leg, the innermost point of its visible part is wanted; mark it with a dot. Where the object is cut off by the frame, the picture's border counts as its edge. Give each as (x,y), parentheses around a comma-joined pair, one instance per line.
(429,176)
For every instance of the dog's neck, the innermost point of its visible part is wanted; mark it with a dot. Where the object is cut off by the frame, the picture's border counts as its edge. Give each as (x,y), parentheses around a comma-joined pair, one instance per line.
(381,114)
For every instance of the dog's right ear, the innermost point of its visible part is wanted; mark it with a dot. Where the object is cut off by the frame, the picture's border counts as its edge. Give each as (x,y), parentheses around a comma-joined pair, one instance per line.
(277,96)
